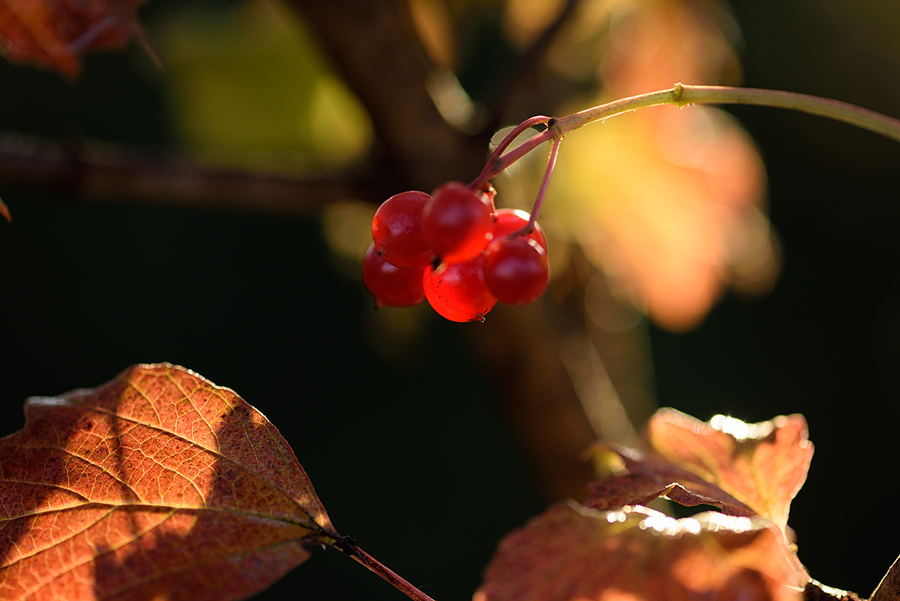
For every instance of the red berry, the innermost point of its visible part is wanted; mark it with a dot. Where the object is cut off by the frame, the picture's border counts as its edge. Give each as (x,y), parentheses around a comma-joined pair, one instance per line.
(510,221)
(391,286)
(397,230)
(458,292)
(516,269)
(457,222)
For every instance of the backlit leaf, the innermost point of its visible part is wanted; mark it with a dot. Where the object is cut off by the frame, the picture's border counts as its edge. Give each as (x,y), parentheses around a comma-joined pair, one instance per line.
(746,469)
(158,484)
(573,553)
(763,465)
(647,484)
(55,33)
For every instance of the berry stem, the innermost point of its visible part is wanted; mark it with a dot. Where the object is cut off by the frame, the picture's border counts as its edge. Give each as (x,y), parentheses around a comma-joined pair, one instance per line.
(487,173)
(545,184)
(683,95)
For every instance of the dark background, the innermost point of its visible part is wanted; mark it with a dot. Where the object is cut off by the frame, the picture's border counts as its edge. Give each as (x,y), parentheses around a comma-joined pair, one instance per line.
(413,461)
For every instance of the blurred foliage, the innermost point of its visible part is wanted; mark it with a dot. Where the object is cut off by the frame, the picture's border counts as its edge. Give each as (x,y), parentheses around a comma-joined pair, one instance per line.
(668,214)
(251,79)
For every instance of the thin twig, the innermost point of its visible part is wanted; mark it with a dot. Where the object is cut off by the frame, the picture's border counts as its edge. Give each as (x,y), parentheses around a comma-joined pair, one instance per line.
(683,95)
(545,183)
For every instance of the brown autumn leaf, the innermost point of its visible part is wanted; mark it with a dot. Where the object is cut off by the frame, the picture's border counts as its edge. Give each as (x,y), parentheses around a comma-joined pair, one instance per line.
(55,33)
(889,587)
(572,553)
(652,480)
(746,469)
(158,484)
(762,465)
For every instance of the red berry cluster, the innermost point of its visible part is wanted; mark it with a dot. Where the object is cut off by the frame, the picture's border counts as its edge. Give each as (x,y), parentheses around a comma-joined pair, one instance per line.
(454,249)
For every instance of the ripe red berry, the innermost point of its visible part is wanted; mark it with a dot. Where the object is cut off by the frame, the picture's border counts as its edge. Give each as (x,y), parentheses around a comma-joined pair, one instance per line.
(391,286)
(510,221)
(397,230)
(457,222)
(458,292)
(516,269)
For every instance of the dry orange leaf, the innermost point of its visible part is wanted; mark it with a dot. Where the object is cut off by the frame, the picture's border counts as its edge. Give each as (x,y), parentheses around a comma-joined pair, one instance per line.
(653,479)
(572,553)
(54,33)
(157,484)
(763,465)
(746,469)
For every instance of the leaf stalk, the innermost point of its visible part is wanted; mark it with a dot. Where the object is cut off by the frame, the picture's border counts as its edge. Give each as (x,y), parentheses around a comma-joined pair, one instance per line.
(349,547)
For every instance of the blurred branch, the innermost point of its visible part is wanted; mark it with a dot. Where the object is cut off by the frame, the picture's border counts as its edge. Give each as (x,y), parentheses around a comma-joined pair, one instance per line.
(521,351)
(375,47)
(102,171)
(521,79)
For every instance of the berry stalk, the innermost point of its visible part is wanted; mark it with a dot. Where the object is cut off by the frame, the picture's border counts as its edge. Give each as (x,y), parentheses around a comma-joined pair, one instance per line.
(545,185)
(486,173)
(683,95)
